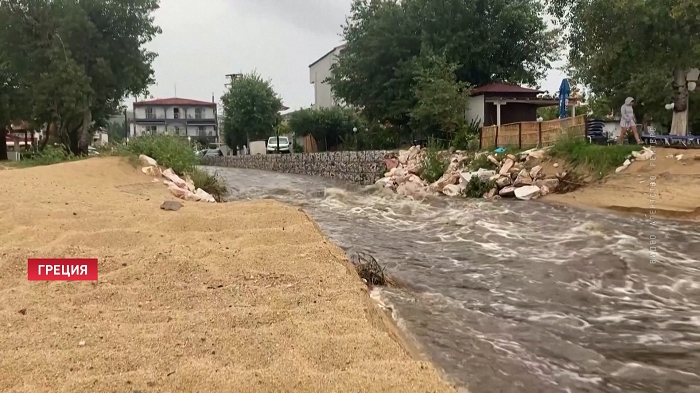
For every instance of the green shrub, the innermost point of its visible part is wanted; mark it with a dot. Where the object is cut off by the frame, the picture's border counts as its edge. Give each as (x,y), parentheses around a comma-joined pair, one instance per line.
(169,151)
(600,160)
(214,186)
(435,163)
(481,161)
(476,188)
(467,137)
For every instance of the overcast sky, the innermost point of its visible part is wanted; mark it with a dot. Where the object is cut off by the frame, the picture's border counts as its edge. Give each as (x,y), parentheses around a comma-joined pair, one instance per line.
(204,40)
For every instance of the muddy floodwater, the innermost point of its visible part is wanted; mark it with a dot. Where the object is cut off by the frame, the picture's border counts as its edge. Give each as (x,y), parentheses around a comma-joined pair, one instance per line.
(520,296)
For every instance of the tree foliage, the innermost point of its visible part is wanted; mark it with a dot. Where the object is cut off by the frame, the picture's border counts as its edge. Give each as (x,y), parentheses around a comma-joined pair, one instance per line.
(330,126)
(484,40)
(441,99)
(75,61)
(622,48)
(251,110)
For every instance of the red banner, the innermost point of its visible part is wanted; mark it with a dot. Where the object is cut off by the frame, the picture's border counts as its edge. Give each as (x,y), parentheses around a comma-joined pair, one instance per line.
(62,269)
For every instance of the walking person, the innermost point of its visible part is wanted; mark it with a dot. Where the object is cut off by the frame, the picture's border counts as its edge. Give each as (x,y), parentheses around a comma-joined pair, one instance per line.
(628,122)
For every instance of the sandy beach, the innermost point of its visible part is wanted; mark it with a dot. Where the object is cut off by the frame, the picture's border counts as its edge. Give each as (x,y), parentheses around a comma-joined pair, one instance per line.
(677,187)
(240,297)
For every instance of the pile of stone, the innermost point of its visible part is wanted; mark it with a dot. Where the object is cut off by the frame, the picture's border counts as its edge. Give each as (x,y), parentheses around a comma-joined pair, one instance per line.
(404,173)
(521,176)
(518,176)
(183,189)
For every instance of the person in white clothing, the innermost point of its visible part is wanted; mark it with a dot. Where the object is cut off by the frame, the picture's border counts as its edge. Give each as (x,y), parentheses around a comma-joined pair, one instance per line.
(628,122)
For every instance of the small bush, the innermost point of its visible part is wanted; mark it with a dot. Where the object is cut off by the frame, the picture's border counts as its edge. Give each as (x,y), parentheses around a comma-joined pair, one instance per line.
(600,160)
(481,161)
(169,151)
(477,188)
(435,165)
(213,185)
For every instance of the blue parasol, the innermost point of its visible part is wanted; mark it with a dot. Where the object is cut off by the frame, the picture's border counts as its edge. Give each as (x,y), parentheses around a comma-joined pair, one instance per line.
(564,91)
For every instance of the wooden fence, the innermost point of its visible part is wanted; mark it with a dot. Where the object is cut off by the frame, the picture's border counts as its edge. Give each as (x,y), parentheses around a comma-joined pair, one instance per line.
(531,133)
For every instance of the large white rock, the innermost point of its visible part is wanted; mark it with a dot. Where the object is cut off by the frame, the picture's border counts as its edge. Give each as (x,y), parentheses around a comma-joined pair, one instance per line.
(453,190)
(507,191)
(190,184)
(147,161)
(506,166)
(534,172)
(526,193)
(174,178)
(205,196)
(643,155)
(483,174)
(151,171)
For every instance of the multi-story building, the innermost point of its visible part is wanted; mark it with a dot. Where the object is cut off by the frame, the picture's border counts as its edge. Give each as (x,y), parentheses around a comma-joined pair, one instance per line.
(176,116)
(320,71)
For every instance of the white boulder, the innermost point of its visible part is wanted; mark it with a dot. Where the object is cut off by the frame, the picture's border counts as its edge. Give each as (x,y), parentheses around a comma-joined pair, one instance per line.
(147,161)
(526,193)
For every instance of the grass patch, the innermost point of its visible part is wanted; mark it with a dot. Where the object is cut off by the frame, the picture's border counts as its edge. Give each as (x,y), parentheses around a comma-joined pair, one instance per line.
(435,165)
(598,159)
(49,156)
(177,154)
(213,185)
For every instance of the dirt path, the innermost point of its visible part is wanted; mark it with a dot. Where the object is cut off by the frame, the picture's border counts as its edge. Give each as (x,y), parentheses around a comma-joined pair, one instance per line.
(677,187)
(244,297)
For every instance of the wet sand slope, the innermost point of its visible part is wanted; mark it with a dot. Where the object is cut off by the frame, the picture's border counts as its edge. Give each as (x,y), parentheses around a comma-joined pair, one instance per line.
(240,297)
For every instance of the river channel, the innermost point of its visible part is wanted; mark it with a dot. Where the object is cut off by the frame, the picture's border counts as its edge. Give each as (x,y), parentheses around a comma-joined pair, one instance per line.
(515,296)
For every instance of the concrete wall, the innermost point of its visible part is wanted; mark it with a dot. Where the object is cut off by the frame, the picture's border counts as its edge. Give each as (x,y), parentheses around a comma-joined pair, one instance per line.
(360,167)
(475,109)
(323,95)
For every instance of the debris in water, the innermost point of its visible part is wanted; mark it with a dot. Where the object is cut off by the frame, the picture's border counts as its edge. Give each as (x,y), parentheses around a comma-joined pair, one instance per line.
(369,270)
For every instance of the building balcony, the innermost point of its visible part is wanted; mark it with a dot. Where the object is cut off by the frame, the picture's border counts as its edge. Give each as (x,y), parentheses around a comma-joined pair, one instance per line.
(189,120)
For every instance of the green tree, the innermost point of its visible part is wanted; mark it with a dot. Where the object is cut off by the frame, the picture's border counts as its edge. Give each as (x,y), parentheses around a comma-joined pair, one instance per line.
(116,131)
(441,99)
(329,126)
(639,48)
(250,110)
(78,60)
(485,40)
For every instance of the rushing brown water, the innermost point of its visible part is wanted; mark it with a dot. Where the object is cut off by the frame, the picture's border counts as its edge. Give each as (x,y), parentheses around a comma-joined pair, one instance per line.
(520,296)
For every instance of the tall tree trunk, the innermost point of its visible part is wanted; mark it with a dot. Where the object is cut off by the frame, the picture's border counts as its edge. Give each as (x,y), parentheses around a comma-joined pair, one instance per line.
(681,96)
(84,133)
(3,144)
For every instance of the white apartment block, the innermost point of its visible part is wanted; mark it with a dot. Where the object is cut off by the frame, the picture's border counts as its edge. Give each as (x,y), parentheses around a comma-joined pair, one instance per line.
(320,70)
(177,117)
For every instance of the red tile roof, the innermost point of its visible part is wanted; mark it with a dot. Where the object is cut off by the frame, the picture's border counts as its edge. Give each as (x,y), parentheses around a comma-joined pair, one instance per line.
(502,87)
(174,102)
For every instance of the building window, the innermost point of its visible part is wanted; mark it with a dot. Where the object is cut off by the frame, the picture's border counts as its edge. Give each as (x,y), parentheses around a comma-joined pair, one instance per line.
(211,133)
(176,113)
(197,113)
(202,131)
(151,129)
(177,130)
(150,114)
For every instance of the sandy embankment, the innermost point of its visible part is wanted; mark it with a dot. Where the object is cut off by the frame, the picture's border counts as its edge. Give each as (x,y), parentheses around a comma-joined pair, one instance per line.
(244,297)
(677,187)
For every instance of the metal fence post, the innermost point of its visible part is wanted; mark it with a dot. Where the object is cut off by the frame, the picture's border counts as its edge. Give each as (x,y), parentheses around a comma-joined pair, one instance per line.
(539,133)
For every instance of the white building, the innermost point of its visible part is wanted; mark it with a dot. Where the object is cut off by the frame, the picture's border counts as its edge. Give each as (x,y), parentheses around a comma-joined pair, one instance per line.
(319,71)
(177,117)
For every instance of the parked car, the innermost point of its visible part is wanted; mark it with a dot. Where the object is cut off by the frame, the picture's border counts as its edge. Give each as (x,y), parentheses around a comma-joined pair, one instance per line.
(284,147)
(212,152)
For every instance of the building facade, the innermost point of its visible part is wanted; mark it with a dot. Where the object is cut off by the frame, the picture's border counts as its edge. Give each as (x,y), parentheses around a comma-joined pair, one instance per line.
(319,71)
(178,117)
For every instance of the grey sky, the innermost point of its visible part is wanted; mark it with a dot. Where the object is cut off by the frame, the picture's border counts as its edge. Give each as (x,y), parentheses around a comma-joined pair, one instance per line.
(204,40)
